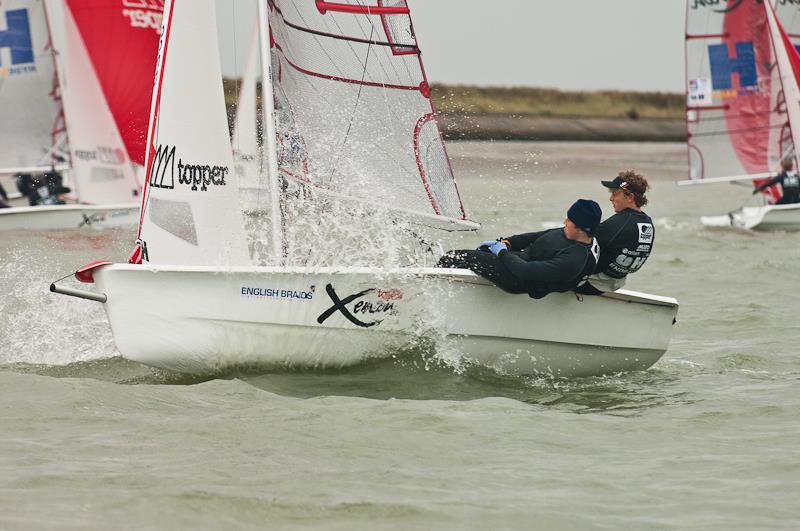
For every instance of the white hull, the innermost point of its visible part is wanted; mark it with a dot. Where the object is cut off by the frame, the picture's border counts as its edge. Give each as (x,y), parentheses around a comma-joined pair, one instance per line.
(71,216)
(769,217)
(203,320)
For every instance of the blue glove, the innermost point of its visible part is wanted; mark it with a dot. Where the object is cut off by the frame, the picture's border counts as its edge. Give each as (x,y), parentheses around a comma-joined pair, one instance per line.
(497,247)
(484,246)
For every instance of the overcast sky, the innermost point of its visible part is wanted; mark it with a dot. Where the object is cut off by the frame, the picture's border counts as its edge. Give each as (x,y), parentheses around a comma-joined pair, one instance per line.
(567,44)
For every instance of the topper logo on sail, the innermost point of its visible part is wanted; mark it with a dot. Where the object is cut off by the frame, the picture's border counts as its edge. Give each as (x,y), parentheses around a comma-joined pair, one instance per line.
(197,176)
(17,39)
(723,66)
(144,13)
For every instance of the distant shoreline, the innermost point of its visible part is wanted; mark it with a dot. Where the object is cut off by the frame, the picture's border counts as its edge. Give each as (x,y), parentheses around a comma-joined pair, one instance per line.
(469,112)
(463,126)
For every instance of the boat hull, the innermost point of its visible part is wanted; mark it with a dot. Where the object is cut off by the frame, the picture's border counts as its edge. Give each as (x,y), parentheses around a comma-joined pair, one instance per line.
(70,216)
(769,217)
(205,320)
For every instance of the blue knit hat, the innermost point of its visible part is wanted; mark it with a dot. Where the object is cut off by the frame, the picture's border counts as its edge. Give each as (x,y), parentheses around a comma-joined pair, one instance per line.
(586,214)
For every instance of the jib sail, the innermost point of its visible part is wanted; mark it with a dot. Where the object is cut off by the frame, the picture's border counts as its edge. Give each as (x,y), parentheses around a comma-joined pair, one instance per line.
(191,210)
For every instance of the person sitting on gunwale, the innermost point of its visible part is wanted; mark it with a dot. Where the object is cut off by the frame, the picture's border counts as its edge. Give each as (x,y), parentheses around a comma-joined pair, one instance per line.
(789,181)
(537,263)
(626,238)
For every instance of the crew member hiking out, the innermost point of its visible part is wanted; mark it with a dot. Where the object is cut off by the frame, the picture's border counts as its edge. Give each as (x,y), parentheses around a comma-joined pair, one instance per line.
(626,238)
(789,181)
(537,263)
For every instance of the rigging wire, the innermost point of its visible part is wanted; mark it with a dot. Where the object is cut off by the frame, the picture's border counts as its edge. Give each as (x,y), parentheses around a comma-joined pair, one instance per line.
(355,107)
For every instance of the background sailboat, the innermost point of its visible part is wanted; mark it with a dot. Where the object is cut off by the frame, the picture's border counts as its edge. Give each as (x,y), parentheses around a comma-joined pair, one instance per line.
(743,109)
(30,106)
(348,121)
(104,65)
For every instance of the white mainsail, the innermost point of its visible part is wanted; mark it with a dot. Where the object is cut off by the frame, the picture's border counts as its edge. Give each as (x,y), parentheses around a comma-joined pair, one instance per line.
(30,110)
(353,107)
(191,211)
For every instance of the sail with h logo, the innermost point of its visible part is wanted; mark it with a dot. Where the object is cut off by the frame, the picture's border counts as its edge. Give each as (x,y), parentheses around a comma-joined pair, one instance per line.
(31,127)
(742,99)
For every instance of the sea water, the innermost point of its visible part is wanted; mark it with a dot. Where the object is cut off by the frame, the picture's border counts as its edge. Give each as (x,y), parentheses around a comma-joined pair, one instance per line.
(707,438)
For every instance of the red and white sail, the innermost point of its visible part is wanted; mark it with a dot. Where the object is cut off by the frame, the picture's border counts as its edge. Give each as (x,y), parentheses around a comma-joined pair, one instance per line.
(353,106)
(106,74)
(30,109)
(788,63)
(101,170)
(736,106)
(121,39)
(191,213)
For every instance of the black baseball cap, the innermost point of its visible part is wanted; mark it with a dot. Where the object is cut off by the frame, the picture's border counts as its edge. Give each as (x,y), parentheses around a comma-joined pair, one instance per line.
(619,182)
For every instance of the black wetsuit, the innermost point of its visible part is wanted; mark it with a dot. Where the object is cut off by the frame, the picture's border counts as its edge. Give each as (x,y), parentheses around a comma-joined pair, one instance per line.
(790,182)
(3,197)
(537,264)
(43,190)
(626,240)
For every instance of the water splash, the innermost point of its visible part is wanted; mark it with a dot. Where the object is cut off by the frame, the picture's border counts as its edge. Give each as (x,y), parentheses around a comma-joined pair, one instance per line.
(41,327)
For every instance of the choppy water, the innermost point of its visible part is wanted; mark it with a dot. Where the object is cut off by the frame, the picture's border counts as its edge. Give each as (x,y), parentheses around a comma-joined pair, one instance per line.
(708,438)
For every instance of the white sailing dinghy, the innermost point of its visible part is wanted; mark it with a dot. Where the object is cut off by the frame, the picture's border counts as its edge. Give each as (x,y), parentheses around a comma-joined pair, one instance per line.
(352,119)
(743,103)
(104,82)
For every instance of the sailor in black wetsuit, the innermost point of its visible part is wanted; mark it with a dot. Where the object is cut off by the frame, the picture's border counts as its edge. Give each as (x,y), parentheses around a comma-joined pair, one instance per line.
(790,182)
(538,263)
(43,189)
(626,238)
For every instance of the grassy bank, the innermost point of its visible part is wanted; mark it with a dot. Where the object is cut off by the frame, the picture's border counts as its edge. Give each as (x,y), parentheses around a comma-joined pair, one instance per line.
(529,113)
(530,101)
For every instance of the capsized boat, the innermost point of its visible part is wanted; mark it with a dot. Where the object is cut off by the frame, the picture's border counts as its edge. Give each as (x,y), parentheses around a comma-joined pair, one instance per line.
(351,140)
(80,105)
(743,103)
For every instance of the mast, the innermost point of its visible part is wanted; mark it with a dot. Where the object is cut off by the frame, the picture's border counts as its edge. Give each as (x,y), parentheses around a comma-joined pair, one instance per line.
(269,144)
(786,69)
(60,123)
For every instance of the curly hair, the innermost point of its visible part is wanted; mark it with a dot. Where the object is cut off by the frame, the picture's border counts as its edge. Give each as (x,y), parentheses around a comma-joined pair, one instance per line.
(636,185)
